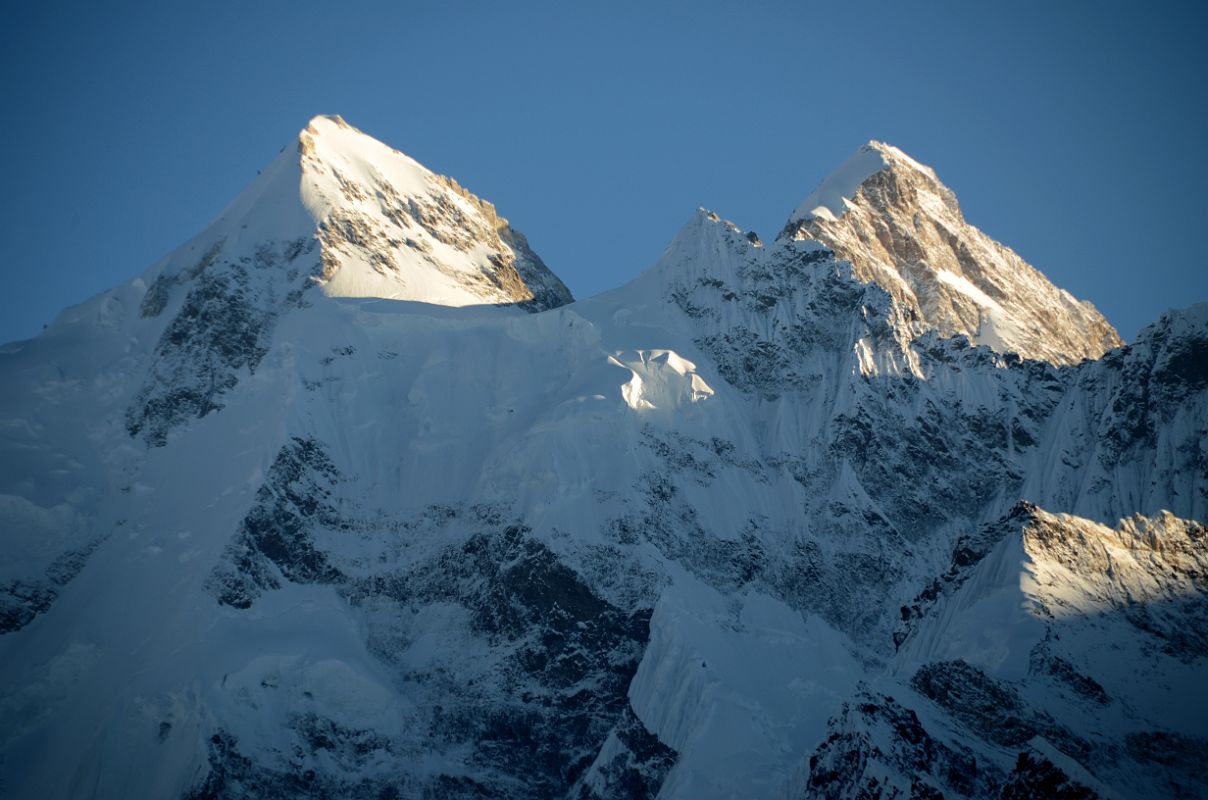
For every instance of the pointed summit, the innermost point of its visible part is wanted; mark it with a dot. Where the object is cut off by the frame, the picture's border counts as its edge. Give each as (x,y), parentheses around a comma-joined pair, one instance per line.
(834,195)
(342,215)
(377,223)
(901,228)
(390,227)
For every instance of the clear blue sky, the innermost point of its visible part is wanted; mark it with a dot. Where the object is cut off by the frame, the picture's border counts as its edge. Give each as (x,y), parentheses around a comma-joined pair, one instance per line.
(1073,132)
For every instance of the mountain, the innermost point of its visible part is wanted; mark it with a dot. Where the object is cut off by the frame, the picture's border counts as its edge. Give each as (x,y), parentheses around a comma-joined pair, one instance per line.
(903,229)
(341,212)
(740,528)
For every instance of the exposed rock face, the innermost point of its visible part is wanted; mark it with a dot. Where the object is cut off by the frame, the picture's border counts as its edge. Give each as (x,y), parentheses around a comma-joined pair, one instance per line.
(220,333)
(276,538)
(903,230)
(737,529)
(1035,778)
(877,748)
(22,599)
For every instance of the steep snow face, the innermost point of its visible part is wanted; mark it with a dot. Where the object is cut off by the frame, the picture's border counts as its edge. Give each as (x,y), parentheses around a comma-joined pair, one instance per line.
(732,530)
(901,228)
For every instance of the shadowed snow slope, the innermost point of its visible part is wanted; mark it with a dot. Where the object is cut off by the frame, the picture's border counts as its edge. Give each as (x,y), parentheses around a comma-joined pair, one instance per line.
(735,529)
(903,229)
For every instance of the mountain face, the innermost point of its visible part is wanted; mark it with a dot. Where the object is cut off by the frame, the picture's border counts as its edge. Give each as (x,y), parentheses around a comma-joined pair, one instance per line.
(304,512)
(903,230)
(340,213)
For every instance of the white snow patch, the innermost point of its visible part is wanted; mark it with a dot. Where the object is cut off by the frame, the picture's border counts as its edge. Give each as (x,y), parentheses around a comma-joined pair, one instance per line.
(967,288)
(660,379)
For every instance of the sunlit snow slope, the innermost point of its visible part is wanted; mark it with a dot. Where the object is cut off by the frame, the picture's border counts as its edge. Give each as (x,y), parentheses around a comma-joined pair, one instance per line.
(383,226)
(742,528)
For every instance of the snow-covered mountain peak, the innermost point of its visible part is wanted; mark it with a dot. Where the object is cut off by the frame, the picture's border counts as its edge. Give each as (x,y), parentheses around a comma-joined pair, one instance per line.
(707,248)
(835,194)
(895,156)
(329,144)
(903,229)
(341,215)
(707,232)
(350,214)
(391,228)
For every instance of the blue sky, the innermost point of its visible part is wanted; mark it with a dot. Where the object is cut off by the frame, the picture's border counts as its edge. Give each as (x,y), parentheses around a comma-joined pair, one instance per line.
(1073,132)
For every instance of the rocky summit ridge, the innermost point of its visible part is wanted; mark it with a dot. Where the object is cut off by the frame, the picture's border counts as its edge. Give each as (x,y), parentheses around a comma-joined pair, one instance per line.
(903,229)
(309,511)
